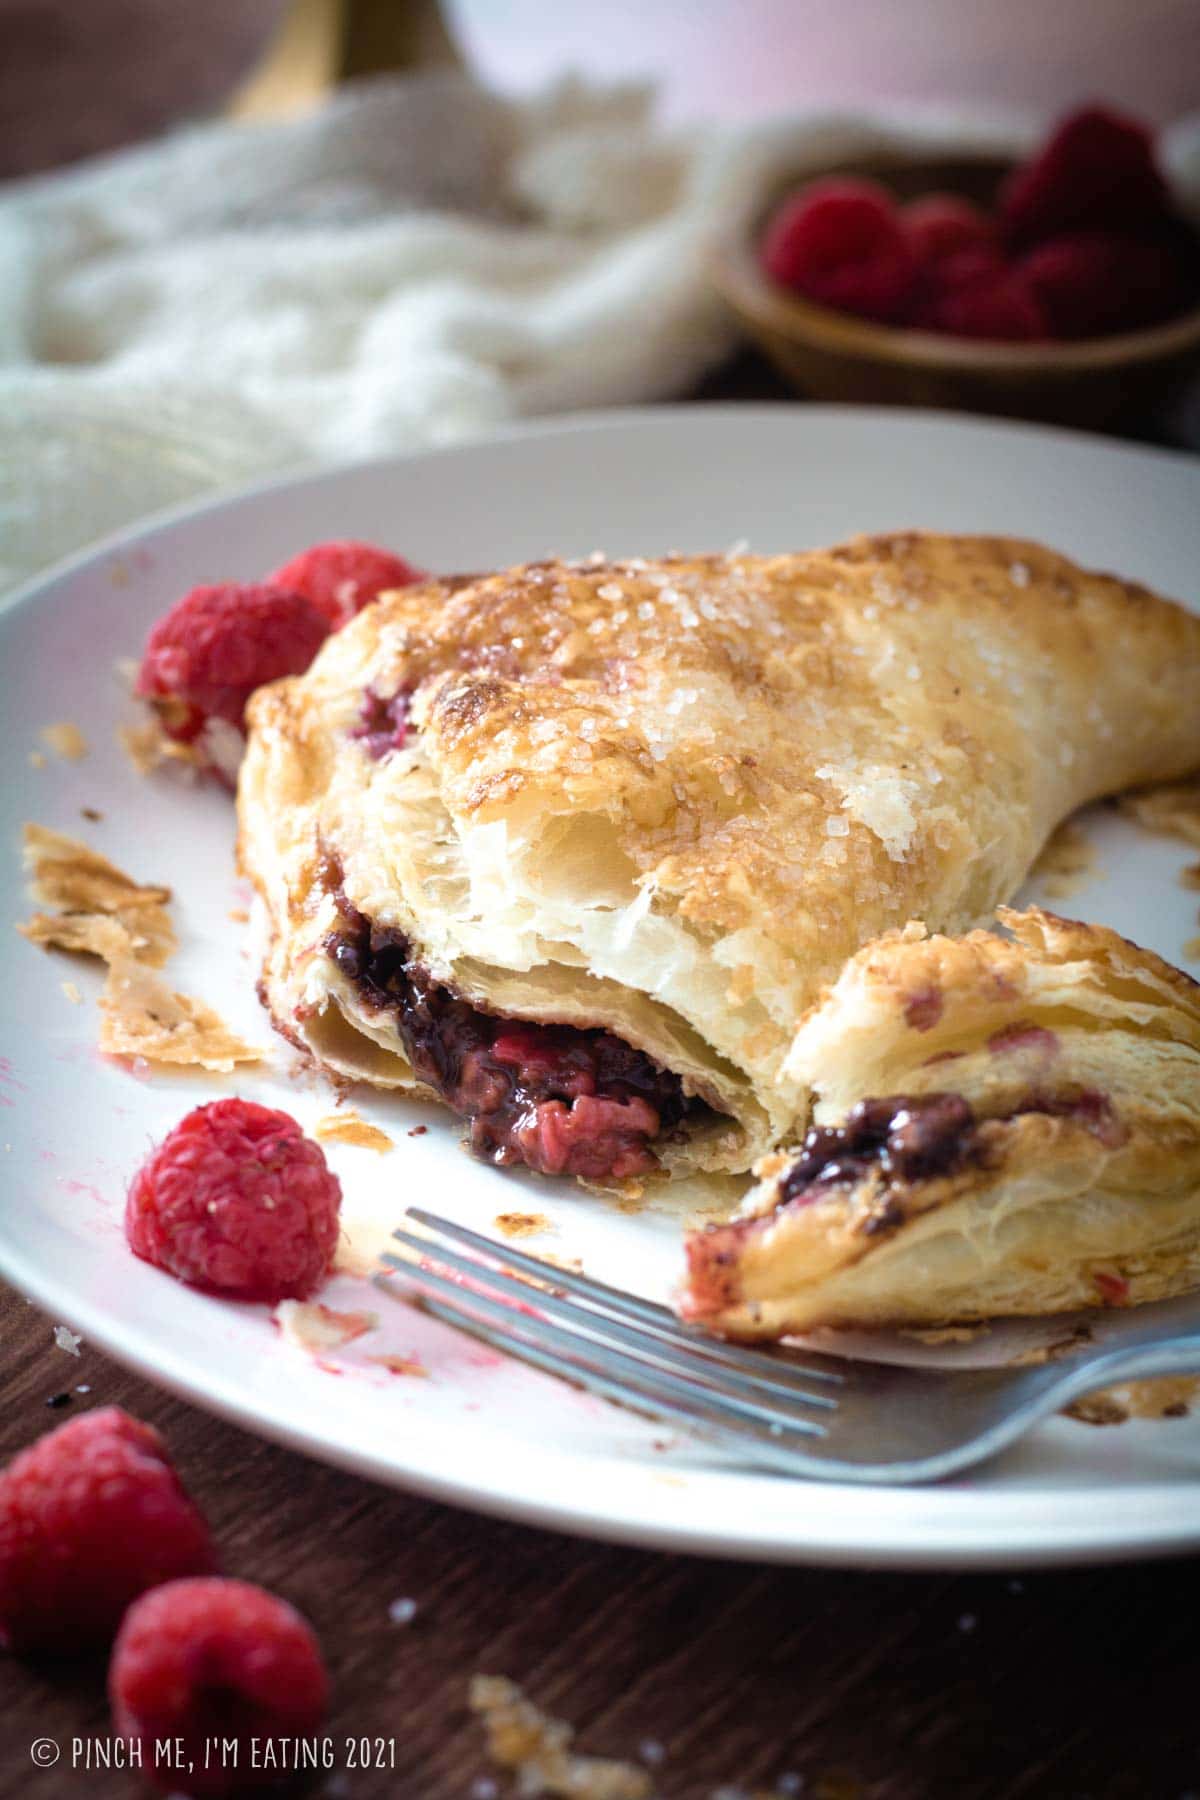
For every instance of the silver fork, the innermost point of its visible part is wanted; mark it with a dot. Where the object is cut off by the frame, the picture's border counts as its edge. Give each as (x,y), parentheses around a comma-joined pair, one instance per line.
(819,1417)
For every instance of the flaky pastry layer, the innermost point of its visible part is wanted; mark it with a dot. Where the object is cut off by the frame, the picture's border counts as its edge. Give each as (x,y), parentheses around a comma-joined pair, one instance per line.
(1044,1153)
(670,797)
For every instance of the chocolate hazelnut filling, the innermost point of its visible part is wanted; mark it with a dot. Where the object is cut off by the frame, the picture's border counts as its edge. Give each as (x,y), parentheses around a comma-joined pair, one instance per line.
(911,1139)
(904,1138)
(556,1098)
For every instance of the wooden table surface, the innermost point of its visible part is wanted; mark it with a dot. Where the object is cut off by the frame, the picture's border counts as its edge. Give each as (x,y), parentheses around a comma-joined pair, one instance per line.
(870,1686)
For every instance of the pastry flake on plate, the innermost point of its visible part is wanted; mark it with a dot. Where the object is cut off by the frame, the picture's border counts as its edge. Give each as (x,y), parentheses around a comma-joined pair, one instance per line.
(1003,1127)
(652,806)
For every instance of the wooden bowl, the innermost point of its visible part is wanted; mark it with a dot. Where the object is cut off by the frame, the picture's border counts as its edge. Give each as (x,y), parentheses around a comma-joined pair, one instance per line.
(833,356)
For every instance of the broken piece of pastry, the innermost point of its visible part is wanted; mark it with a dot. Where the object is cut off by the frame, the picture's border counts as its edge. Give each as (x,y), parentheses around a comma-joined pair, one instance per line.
(574,846)
(1002,1127)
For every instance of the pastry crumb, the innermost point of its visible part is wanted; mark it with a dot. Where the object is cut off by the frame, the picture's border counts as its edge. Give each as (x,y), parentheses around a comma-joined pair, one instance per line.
(92,813)
(1172,807)
(36,760)
(65,739)
(1167,1397)
(537,1749)
(143,1017)
(521,1224)
(67,1340)
(239,915)
(573,1265)
(147,746)
(349,1128)
(1192,949)
(98,909)
(401,1365)
(308,1325)
(945,1334)
(72,992)
(1067,862)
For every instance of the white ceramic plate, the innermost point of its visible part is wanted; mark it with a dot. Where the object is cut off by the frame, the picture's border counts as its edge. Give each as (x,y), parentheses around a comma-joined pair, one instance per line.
(475,1429)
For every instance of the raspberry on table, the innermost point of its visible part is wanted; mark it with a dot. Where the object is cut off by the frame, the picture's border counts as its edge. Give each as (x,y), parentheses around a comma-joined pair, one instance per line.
(205,657)
(840,242)
(91,1515)
(238,1201)
(1097,169)
(210,1660)
(342,577)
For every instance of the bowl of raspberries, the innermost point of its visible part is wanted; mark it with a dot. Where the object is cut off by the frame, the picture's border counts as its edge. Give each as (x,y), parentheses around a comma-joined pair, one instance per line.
(1062,287)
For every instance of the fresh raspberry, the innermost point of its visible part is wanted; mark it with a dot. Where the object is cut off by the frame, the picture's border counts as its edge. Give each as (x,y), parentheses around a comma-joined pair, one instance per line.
(341,578)
(204,658)
(206,1660)
(840,243)
(237,1200)
(91,1515)
(1000,306)
(942,225)
(1096,169)
(958,269)
(1094,282)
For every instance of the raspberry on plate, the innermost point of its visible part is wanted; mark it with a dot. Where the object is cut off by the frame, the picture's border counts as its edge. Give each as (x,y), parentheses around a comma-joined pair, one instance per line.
(91,1516)
(840,243)
(1093,283)
(210,1660)
(943,225)
(1096,169)
(205,657)
(238,1201)
(341,578)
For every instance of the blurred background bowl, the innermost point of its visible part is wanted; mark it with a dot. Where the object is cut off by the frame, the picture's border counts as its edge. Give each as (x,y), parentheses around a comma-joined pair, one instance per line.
(1112,381)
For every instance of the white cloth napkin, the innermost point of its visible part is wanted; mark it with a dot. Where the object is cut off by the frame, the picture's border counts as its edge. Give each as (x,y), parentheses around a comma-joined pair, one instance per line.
(410,264)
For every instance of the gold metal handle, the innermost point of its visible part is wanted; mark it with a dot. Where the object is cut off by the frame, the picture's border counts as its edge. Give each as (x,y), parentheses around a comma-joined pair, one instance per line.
(322,42)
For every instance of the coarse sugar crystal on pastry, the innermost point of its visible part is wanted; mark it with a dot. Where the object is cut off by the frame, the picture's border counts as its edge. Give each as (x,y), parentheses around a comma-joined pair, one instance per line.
(574,845)
(1003,1127)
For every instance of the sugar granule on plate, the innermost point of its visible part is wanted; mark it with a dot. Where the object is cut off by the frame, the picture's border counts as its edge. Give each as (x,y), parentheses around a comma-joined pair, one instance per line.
(67,1340)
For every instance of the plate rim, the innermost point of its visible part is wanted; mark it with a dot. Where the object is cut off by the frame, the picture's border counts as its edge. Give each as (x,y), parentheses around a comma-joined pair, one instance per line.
(1089,1538)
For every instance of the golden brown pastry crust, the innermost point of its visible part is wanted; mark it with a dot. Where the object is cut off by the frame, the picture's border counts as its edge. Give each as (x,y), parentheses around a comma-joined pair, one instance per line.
(1079,1055)
(672,797)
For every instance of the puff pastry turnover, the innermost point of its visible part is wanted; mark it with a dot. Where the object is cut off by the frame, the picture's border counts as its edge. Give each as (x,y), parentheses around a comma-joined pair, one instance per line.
(1002,1128)
(574,846)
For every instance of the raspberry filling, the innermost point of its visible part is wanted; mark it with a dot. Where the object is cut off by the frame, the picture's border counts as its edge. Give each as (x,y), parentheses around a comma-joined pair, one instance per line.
(561,1100)
(383,724)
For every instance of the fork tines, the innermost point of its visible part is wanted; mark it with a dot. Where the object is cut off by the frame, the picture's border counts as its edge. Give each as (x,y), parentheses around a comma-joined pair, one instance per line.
(613,1343)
